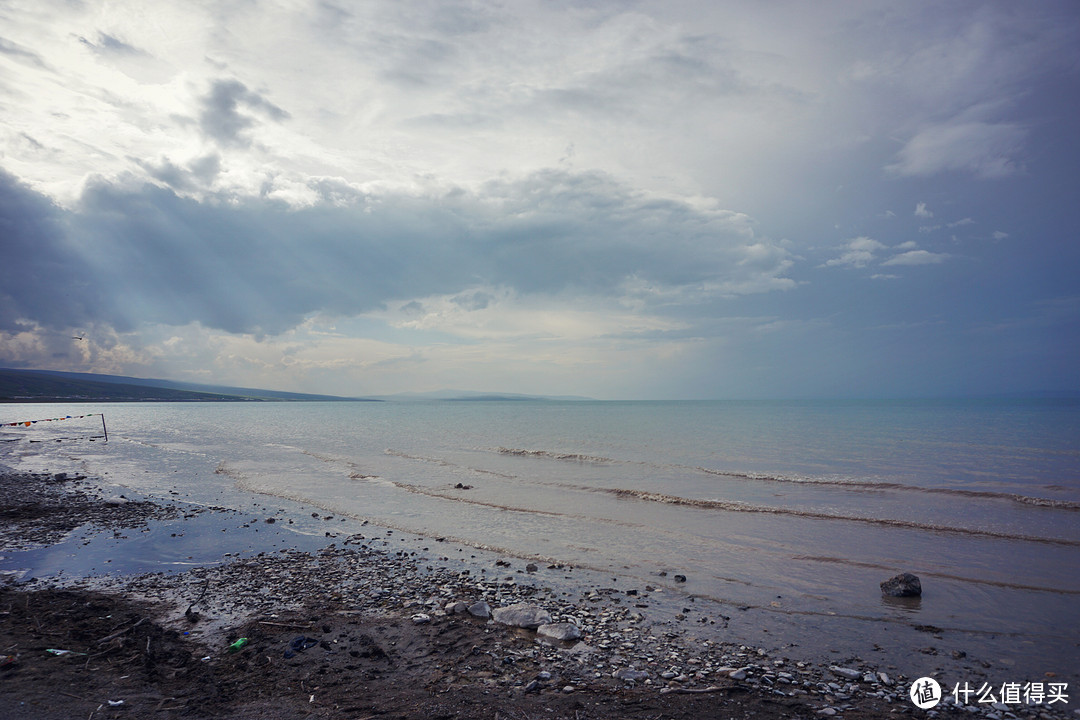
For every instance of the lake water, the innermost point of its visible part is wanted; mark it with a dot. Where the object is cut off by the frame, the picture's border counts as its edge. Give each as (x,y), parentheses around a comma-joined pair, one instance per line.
(795,510)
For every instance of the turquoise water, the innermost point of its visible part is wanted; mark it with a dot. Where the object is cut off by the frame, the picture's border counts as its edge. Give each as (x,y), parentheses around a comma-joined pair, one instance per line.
(799,509)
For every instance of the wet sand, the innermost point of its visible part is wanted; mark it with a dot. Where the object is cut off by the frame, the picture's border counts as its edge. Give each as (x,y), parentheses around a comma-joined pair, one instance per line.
(360,625)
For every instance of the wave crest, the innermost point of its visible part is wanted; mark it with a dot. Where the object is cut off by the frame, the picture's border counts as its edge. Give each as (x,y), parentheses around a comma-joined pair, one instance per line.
(551,455)
(733,506)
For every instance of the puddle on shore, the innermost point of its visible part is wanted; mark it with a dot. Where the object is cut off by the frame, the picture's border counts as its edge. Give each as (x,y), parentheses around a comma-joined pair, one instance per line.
(174,545)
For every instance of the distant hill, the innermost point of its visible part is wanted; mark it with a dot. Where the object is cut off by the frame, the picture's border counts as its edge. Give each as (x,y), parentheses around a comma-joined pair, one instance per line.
(55,386)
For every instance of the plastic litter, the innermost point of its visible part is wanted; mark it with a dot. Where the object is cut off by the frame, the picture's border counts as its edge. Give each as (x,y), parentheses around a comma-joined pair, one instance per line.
(303,643)
(7,660)
(115,703)
(54,651)
(238,645)
(300,644)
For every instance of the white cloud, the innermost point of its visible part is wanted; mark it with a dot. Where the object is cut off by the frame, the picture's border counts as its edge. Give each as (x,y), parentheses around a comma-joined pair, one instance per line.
(502,314)
(858,252)
(922,211)
(999,235)
(983,149)
(917,257)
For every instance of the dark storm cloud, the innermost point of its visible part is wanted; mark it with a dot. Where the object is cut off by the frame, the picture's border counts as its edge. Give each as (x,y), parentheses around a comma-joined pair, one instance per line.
(40,279)
(147,255)
(221,119)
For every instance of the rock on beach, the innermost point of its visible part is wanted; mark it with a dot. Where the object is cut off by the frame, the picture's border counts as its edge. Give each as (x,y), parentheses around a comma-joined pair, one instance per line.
(902,585)
(480,609)
(521,615)
(559,631)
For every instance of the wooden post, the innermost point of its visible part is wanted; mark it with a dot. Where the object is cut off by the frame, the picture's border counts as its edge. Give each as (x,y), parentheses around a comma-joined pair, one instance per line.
(103,429)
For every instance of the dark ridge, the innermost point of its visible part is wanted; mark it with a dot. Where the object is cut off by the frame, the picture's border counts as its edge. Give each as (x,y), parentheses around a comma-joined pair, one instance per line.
(55,386)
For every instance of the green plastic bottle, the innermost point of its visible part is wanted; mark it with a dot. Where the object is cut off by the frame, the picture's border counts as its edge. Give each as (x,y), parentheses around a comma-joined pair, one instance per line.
(236,646)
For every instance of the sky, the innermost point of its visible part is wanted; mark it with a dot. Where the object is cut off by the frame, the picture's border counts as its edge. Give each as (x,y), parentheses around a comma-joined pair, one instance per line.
(621,200)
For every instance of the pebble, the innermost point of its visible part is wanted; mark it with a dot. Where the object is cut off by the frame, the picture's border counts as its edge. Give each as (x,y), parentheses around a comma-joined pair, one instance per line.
(848,673)
(630,675)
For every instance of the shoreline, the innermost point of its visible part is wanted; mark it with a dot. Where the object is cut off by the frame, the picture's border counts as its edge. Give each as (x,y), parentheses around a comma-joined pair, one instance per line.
(376,581)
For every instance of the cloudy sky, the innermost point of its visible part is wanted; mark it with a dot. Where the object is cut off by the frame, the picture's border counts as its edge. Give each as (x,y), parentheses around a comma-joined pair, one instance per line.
(668,199)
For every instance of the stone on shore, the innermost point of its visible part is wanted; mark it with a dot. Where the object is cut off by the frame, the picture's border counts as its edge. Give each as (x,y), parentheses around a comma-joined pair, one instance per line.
(521,615)
(629,674)
(480,609)
(903,585)
(559,631)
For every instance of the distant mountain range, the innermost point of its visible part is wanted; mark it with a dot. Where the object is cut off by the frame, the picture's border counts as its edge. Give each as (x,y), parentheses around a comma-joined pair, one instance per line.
(56,386)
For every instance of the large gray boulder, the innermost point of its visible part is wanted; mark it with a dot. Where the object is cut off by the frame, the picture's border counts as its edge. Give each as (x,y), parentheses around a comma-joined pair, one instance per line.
(903,585)
(480,609)
(521,615)
(559,631)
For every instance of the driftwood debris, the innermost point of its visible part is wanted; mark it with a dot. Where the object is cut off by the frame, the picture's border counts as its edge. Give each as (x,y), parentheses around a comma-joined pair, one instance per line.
(710,689)
(118,633)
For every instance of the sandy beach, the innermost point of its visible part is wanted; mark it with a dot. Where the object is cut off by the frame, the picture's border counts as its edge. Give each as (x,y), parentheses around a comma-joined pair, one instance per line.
(354,626)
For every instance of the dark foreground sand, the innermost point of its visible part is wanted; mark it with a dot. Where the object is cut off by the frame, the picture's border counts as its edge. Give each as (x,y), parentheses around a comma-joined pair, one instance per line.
(336,633)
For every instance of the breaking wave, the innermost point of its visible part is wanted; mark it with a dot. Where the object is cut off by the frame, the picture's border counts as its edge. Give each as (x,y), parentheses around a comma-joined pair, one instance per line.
(441,462)
(436,493)
(732,506)
(872,485)
(575,457)
(844,483)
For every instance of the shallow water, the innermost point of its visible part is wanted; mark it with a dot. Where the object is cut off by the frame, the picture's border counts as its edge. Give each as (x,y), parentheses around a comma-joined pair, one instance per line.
(796,509)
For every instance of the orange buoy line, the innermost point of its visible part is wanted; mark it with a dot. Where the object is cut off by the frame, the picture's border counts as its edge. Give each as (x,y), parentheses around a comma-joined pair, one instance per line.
(29,423)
